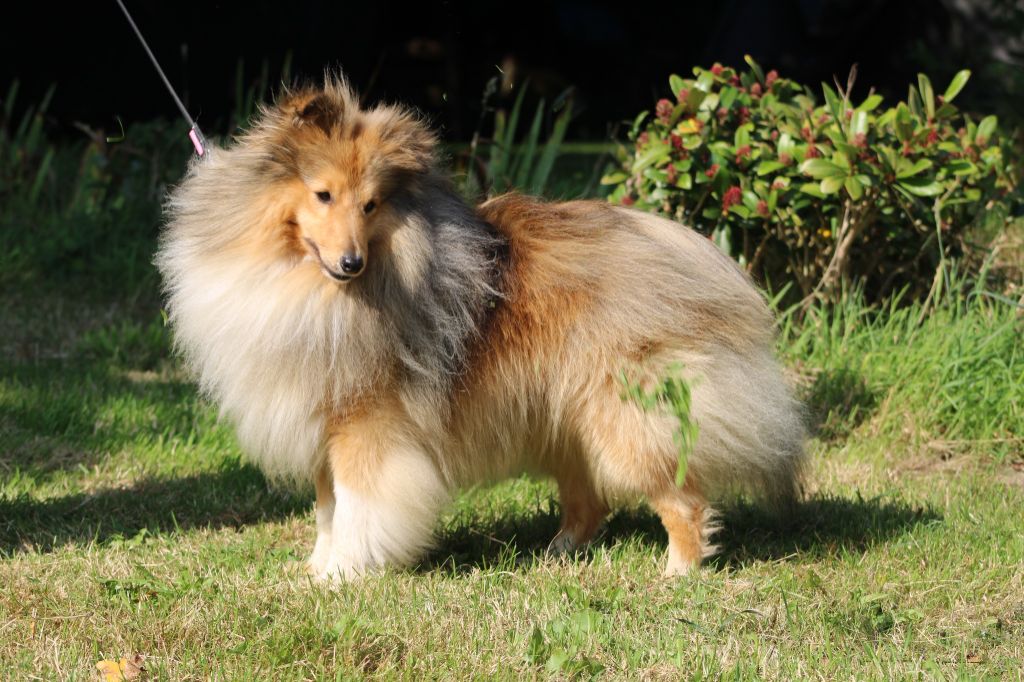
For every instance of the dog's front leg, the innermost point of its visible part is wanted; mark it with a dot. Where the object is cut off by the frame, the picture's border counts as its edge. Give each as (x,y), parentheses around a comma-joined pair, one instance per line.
(387,496)
(325,506)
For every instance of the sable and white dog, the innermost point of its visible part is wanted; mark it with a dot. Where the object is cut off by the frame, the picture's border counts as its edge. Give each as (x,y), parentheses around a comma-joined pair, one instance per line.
(361,326)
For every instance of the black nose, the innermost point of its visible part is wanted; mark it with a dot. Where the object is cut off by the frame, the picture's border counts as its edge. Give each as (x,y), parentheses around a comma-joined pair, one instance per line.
(352,264)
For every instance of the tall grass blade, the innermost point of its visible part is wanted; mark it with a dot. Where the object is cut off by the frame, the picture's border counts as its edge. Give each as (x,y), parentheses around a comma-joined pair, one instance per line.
(12,95)
(551,148)
(499,154)
(41,174)
(529,148)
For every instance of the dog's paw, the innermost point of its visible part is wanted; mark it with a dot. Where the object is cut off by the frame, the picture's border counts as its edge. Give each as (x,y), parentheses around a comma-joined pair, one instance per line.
(564,544)
(316,565)
(677,566)
(679,563)
(343,570)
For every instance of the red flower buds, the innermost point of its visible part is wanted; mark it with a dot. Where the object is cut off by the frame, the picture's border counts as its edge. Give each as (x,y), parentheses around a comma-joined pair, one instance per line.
(663,111)
(732,196)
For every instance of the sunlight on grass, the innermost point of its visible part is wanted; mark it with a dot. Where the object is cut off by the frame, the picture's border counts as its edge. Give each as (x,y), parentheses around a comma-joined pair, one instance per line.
(130,524)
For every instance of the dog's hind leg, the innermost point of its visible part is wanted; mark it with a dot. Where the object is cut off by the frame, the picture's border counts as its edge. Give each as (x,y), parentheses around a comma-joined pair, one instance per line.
(687,519)
(636,455)
(583,510)
(324,520)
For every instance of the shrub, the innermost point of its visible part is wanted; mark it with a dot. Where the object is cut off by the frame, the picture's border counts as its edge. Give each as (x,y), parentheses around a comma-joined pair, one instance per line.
(794,190)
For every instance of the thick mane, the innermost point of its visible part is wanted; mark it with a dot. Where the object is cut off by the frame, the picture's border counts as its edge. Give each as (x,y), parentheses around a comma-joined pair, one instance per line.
(275,344)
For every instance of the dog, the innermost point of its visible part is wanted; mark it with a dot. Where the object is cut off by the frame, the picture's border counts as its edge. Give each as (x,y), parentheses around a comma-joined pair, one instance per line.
(365,329)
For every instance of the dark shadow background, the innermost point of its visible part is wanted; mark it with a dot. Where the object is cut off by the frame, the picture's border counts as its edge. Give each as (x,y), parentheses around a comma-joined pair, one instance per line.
(438,55)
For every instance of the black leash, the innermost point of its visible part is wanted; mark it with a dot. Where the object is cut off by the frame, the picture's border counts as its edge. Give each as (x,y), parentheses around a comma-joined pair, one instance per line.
(194,134)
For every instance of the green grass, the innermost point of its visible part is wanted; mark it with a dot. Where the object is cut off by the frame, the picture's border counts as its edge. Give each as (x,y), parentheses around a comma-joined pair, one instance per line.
(951,378)
(129,523)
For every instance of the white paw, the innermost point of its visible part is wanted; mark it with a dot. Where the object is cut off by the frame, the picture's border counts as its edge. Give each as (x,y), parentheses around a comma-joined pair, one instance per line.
(316,565)
(339,570)
(677,566)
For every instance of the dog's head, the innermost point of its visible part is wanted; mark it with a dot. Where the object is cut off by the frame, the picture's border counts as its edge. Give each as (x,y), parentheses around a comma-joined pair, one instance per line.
(342,167)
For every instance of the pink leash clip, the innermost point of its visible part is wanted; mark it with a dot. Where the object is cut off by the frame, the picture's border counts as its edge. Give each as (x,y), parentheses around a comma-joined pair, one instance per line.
(197,141)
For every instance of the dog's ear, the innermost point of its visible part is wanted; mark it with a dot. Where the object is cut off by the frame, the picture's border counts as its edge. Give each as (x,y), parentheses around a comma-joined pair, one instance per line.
(318,110)
(412,146)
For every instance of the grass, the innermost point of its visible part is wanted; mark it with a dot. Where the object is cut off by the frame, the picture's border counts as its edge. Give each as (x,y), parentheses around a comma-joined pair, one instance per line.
(130,522)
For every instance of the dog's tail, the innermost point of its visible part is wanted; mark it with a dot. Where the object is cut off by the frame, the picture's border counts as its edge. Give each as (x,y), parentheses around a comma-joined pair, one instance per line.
(751,430)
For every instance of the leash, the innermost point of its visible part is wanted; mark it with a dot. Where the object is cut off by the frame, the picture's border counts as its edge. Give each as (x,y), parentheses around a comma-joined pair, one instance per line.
(194,134)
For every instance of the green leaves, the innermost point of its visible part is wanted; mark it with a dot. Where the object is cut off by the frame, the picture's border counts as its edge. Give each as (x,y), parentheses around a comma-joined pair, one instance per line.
(671,393)
(858,124)
(769,173)
(831,185)
(927,95)
(853,188)
(676,84)
(614,178)
(904,122)
(921,187)
(908,169)
(985,130)
(655,152)
(754,67)
(956,85)
(871,103)
(820,168)
(835,105)
(766,167)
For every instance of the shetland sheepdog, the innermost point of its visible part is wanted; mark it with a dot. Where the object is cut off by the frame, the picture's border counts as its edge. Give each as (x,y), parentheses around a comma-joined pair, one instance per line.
(366,330)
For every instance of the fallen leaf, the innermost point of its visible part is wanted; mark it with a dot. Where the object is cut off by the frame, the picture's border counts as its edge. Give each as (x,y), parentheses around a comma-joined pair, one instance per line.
(123,670)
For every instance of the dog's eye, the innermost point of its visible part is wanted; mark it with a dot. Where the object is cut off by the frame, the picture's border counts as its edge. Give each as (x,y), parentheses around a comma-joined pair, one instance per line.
(369,206)
(324,197)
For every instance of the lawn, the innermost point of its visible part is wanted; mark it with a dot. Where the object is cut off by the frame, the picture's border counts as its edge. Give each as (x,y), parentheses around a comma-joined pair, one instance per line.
(130,522)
